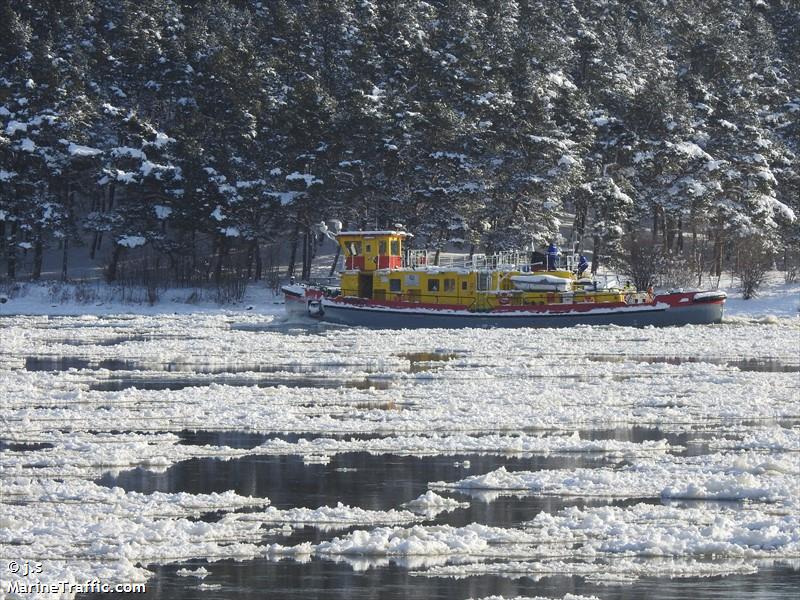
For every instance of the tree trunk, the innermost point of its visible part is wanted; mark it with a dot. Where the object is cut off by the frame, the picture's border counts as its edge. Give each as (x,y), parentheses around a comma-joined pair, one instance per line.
(97,241)
(581,211)
(65,247)
(293,255)
(259,264)
(12,252)
(717,264)
(65,259)
(222,248)
(95,245)
(596,251)
(335,260)
(655,224)
(304,258)
(38,250)
(250,258)
(111,271)
(308,252)
(669,232)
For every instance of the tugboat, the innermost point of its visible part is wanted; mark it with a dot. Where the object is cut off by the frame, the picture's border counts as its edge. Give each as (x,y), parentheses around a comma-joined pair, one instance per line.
(383,285)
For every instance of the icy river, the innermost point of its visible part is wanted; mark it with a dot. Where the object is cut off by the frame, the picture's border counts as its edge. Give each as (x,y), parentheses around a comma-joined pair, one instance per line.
(242,456)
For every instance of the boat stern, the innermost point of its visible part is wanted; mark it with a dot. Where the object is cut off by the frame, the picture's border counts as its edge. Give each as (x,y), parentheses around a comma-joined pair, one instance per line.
(302,300)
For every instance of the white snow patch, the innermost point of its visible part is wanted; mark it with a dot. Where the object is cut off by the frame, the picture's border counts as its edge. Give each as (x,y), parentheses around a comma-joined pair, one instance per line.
(308,178)
(80,151)
(131,241)
(162,212)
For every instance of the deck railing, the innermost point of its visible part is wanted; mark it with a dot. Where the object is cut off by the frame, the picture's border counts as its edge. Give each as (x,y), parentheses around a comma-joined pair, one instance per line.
(502,261)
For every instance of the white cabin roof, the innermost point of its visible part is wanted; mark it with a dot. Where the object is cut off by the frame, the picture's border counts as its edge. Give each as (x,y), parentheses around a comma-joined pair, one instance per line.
(388,232)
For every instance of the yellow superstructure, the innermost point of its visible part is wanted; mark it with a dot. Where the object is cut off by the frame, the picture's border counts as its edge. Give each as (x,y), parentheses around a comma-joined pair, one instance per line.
(375,270)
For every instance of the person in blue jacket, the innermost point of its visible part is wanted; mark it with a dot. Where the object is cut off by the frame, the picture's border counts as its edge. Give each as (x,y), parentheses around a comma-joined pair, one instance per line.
(583,264)
(552,256)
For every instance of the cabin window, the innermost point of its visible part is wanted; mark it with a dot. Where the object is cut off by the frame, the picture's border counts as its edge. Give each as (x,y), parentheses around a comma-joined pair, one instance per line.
(433,285)
(395,285)
(395,247)
(369,249)
(355,248)
(464,285)
(382,248)
(449,285)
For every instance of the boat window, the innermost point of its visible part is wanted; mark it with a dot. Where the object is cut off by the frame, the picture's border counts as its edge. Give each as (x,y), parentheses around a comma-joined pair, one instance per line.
(449,285)
(369,248)
(395,285)
(382,248)
(395,247)
(464,285)
(484,280)
(355,248)
(433,285)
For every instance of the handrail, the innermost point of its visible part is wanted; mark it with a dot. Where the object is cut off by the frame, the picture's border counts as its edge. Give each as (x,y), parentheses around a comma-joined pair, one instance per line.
(506,260)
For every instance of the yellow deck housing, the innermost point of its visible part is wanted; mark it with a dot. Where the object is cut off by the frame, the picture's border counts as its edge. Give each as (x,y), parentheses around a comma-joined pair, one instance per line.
(374,270)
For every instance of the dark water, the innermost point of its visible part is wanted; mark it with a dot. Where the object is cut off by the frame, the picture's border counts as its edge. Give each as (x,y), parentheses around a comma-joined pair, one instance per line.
(357,479)
(761,365)
(384,482)
(323,580)
(131,374)
(117,384)
(381,483)
(377,482)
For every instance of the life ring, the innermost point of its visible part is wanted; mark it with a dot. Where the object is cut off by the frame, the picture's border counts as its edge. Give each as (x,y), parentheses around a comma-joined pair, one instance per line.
(504,299)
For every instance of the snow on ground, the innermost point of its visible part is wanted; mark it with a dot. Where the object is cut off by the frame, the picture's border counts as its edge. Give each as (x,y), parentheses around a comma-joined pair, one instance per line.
(775,298)
(98,298)
(99,394)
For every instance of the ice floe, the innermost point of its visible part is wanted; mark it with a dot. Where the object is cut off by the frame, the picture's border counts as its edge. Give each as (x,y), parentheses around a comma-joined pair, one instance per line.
(200,572)
(641,530)
(430,504)
(139,380)
(743,476)
(565,597)
(615,571)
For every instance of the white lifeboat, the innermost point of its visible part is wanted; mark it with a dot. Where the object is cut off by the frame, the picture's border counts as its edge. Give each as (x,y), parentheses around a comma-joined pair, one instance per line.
(541,283)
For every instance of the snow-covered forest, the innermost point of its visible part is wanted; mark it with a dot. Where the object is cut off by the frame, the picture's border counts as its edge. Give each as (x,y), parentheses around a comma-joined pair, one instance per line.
(205,137)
